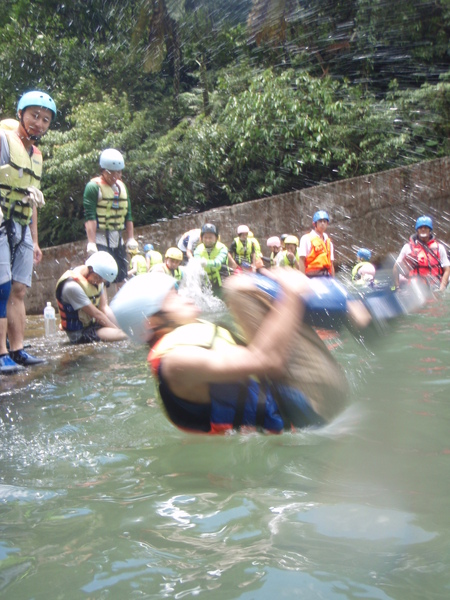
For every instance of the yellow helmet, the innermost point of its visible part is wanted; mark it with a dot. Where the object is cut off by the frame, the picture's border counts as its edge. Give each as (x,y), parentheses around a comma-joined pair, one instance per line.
(291,239)
(174,253)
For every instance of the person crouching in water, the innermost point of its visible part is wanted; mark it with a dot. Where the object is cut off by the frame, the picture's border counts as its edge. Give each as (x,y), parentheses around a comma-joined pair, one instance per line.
(82,302)
(284,377)
(138,263)
(171,265)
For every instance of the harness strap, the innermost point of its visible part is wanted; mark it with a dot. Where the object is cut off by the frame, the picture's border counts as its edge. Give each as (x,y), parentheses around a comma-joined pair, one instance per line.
(25,170)
(23,191)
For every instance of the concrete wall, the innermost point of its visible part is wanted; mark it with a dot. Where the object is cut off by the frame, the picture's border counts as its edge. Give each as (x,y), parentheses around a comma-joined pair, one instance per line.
(375,211)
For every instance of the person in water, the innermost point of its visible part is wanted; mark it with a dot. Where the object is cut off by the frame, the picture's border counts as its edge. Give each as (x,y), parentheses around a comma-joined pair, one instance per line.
(280,376)
(213,256)
(83,306)
(289,257)
(138,262)
(171,265)
(423,256)
(363,273)
(152,256)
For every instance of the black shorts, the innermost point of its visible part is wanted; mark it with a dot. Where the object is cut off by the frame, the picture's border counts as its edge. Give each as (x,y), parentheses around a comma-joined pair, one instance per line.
(84,336)
(120,256)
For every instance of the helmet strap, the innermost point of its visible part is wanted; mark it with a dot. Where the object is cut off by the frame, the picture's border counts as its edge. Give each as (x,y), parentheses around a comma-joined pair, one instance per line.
(33,138)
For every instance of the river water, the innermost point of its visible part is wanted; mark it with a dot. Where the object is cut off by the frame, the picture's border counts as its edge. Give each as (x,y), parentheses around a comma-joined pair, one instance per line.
(100,497)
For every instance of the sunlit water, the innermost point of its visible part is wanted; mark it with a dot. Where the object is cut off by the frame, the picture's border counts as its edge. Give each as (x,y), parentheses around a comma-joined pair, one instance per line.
(102,498)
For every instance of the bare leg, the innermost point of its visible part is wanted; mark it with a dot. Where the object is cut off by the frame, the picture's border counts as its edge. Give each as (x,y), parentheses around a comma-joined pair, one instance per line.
(109,334)
(16,315)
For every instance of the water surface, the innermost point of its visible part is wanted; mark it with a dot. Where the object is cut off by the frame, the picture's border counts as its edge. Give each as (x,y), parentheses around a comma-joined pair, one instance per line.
(100,497)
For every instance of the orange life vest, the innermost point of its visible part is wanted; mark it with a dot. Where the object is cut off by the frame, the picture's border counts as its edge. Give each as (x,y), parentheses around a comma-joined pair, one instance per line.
(319,257)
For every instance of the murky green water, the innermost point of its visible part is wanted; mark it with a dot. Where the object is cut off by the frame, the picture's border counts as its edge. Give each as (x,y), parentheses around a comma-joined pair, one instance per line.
(100,497)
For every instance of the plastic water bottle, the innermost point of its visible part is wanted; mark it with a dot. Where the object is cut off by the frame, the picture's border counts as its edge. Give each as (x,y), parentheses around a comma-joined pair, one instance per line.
(49,320)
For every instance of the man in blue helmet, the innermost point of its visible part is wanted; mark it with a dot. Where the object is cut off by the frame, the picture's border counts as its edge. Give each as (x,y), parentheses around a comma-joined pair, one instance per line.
(423,256)
(20,196)
(316,251)
(107,211)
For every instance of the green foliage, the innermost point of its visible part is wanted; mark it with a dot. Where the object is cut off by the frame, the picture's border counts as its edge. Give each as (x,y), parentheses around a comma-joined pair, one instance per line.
(216,102)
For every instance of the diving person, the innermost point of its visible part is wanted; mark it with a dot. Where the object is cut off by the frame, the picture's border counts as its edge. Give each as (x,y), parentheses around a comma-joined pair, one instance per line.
(283,377)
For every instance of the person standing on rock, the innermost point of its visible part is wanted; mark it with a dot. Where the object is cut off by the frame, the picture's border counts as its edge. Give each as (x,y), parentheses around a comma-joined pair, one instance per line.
(107,210)
(20,197)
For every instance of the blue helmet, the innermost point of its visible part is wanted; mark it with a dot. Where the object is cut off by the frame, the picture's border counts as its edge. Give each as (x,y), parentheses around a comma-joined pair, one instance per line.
(320,214)
(148,248)
(364,254)
(424,222)
(37,98)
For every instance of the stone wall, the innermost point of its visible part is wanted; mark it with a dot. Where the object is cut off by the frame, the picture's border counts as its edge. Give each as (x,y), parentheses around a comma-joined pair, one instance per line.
(375,211)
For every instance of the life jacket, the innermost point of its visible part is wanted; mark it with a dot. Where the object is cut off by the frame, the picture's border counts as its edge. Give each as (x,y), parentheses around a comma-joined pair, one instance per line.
(154,257)
(71,319)
(256,244)
(215,274)
(141,264)
(284,262)
(424,260)
(22,171)
(112,208)
(243,252)
(249,404)
(319,257)
(177,274)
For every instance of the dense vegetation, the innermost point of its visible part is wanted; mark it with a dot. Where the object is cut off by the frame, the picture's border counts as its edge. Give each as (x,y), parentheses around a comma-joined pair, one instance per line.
(221,101)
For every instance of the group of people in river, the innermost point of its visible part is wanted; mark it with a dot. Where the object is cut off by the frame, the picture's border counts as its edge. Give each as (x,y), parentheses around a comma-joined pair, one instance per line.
(274,374)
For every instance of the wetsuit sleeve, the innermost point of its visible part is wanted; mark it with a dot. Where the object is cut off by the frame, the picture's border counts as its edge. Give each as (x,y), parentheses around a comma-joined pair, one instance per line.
(233,248)
(90,198)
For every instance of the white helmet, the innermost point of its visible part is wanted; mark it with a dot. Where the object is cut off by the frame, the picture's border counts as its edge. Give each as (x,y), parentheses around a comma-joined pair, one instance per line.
(242,229)
(140,298)
(112,160)
(104,265)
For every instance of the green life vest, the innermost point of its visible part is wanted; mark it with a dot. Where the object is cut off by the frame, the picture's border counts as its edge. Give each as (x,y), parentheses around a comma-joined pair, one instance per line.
(212,272)
(141,264)
(22,171)
(111,209)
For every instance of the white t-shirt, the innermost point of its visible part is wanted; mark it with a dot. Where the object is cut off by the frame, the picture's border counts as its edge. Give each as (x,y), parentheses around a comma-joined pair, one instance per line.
(73,294)
(193,241)
(305,244)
